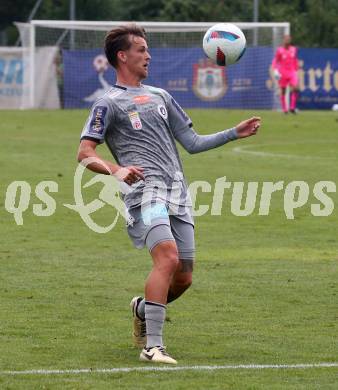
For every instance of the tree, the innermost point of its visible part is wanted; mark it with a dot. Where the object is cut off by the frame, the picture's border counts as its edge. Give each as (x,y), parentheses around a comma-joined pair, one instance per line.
(17,10)
(313,22)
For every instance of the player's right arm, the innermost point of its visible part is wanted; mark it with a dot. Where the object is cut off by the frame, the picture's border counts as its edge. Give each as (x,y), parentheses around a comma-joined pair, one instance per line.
(92,135)
(95,163)
(276,64)
(296,64)
(276,60)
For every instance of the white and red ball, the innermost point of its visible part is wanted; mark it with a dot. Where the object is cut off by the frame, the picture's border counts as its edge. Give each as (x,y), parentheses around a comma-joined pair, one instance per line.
(224,43)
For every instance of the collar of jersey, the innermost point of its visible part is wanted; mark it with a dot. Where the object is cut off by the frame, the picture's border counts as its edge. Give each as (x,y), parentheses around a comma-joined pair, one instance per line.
(125,88)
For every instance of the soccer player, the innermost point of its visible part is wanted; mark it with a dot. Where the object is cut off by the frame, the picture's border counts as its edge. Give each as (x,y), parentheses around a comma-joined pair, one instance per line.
(285,65)
(140,124)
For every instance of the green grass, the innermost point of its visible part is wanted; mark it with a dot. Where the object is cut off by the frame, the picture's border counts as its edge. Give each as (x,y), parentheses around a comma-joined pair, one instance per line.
(265,288)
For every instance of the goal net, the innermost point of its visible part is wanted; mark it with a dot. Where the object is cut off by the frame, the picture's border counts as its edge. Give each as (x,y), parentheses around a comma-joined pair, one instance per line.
(81,72)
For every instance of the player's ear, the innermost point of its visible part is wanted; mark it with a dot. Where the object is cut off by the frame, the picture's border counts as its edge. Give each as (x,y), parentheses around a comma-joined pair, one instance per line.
(121,55)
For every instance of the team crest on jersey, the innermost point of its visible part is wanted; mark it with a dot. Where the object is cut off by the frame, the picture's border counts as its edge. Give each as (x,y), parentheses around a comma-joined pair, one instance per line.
(209,80)
(162,111)
(135,120)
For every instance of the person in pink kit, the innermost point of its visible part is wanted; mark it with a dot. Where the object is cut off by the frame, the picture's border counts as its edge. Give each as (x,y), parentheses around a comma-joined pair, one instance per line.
(285,65)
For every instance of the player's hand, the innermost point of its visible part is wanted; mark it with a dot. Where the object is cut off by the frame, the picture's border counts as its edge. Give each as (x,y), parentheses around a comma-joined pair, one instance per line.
(130,175)
(276,74)
(248,127)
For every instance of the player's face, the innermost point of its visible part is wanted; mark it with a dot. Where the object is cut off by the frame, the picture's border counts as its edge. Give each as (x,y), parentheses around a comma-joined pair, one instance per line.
(287,40)
(138,57)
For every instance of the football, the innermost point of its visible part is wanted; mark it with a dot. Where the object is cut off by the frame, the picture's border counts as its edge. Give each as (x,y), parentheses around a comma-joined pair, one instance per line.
(224,44)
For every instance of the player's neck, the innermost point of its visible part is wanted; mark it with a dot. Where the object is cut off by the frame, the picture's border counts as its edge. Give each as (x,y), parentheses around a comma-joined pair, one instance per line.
(128,80)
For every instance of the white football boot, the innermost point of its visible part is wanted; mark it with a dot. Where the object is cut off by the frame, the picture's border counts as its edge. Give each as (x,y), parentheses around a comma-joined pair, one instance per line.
(156,355)
(139,327)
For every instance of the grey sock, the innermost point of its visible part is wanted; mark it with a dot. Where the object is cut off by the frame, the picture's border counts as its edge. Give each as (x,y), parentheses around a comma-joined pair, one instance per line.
(141,309)
(155,315)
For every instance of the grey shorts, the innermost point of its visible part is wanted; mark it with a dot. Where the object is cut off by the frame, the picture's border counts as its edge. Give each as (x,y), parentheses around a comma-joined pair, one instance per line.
(154,225)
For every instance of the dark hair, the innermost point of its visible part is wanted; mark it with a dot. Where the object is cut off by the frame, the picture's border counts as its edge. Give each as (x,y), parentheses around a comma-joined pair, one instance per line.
(119,39)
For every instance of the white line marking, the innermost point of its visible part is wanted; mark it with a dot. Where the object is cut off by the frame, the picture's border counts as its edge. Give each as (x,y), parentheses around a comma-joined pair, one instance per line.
(244,150)
(166,368)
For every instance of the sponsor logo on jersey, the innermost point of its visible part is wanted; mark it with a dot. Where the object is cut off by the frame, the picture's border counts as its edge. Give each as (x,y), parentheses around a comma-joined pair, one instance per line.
(209,81)
(142,99)
(97,122)
(135,120)
(162,111)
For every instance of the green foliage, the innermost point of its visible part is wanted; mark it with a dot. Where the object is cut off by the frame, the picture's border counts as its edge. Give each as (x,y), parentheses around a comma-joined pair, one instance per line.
(313,22)
(146,10)
(14,11)
(85,10)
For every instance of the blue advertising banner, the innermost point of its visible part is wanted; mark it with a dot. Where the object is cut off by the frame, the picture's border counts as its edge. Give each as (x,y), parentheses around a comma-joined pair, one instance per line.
(195,82)
(11,77)
(86,77)
(318,78)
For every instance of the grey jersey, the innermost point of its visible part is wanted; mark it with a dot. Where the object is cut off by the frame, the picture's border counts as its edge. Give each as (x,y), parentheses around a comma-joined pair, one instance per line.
(139,126)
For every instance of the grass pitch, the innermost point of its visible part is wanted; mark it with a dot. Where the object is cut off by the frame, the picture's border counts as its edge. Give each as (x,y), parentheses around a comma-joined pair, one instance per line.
(265,288)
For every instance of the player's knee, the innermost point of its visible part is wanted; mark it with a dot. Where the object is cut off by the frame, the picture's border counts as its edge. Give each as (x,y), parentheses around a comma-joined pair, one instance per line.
(184,284)
(188,277)
(166,257)
(183,278)
(187,281)
(169,263)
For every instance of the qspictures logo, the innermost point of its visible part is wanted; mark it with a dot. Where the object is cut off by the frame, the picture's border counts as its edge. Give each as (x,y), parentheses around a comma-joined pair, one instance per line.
(236,198)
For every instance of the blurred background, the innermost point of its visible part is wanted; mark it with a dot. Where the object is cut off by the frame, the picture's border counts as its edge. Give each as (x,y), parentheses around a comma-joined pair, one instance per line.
(314,22)
(51,51)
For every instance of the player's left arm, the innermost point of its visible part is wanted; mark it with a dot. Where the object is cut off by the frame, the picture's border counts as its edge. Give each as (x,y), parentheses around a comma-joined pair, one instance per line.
(183,131)
(276,60)
(248,127)
(195,143)
(296,63)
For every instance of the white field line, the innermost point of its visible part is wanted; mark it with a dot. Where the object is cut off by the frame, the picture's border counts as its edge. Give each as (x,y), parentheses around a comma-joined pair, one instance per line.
(245,150)
(170,368)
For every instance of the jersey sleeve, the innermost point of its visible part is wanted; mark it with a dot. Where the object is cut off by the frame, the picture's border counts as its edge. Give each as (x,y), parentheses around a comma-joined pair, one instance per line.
(178,119)
(276,60)
(195,143)
(100,116)
(296,60)
(182,129)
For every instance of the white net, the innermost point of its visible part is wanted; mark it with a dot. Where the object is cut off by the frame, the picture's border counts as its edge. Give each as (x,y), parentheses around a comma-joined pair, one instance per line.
(178,63)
